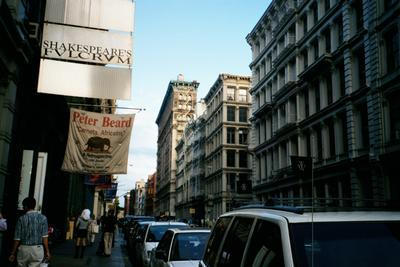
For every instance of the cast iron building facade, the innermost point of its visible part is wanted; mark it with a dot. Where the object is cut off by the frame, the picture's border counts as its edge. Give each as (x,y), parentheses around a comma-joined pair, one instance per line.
(190,172)
(177,109)
(227,161)
(326,85)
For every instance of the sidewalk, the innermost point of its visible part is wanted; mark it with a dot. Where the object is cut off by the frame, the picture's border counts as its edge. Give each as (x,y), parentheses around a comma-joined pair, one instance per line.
(62,255)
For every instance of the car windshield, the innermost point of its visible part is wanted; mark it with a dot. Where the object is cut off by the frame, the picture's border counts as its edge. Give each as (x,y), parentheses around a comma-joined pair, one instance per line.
(345,244)
(189,246)
(157,231)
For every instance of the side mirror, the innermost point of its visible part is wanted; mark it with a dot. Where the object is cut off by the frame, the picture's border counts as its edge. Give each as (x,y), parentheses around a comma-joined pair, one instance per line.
(160,254)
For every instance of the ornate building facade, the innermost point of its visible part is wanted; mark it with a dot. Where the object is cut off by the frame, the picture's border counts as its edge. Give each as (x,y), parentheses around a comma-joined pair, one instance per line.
(177,109)
(326,85)
(227,160)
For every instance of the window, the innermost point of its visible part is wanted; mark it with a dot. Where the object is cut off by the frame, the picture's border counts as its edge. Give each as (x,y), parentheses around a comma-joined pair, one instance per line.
(327,35)
(314,9)
(305,58)
(317,95)
(340,30)
(361,68)
(242,114)
(230,158)
(364,126)
(342,80)
(304,22)
(394,111)
(331,129)
(230,93)
(242,95)
(392,50)
(231,182)
(327,5)
(265,247)
(319,143)
(316,49)
(215,240)
(328,80)
(231,113)
(307,104)
(243,133)
(235,243)
(358,7)
(243,159)
(230,138)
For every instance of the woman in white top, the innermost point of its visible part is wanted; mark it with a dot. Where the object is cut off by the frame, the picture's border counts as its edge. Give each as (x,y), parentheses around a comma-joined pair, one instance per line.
(82,226)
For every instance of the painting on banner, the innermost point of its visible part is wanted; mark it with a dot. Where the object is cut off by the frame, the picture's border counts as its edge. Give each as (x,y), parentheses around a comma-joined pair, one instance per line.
(98,143)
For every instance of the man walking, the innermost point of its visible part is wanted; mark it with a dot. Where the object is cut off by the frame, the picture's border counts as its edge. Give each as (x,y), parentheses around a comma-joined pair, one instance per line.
(31,235)
(108,229)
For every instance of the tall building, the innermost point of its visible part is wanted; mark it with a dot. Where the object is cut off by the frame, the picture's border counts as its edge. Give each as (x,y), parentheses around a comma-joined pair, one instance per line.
(150,194)
(227,159)
(190,172)
(326,86)
(178,107)
(140,196)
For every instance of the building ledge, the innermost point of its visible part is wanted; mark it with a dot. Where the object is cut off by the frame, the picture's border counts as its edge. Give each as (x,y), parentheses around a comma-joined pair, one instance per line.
(284,90)
(283,54)
(319,65)
(262,110)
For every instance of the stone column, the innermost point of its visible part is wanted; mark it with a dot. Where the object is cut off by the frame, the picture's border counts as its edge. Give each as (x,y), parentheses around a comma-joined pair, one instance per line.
(311,100)
(300,106)
(269,164)
(325,141)
(263,167)
(323,93)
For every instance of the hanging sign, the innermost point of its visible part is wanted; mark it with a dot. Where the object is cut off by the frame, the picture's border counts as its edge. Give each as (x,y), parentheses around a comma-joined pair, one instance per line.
(98,143)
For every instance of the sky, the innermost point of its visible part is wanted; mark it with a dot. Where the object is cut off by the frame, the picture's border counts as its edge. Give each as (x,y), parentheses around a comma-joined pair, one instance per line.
(197,38)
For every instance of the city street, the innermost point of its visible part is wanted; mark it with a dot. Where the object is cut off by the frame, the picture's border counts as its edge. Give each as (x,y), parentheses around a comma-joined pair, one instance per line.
(63,255)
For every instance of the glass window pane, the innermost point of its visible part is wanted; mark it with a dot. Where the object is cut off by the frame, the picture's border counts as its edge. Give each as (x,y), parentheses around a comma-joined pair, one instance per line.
(215,240)
(265,246)
(235,242)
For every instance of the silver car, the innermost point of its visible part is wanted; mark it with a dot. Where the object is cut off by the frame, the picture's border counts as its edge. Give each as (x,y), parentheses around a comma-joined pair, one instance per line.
(180,248)
(149,239)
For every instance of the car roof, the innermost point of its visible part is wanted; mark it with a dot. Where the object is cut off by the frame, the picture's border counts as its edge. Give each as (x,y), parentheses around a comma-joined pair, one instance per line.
(167,223)
(292,217)
(191,230)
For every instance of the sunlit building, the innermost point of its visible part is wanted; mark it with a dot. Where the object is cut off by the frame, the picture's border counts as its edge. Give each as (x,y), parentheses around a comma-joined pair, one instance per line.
(227,159)
(177,109)
(326,85)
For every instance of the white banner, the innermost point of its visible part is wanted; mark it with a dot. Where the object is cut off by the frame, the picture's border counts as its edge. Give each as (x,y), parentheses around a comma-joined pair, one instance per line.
(100,14)
(86,45)
(98,143)
(84,80)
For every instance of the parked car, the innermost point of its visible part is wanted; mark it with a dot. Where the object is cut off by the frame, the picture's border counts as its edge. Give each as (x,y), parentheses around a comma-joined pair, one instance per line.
(265,236)
(130,221)
(137,230)
(147,240)
(180,247)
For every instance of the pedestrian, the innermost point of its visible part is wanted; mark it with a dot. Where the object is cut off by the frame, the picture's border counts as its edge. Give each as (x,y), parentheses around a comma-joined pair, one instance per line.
(31,236)
(3,223)
(108,232)
(81,227)
(93,230)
